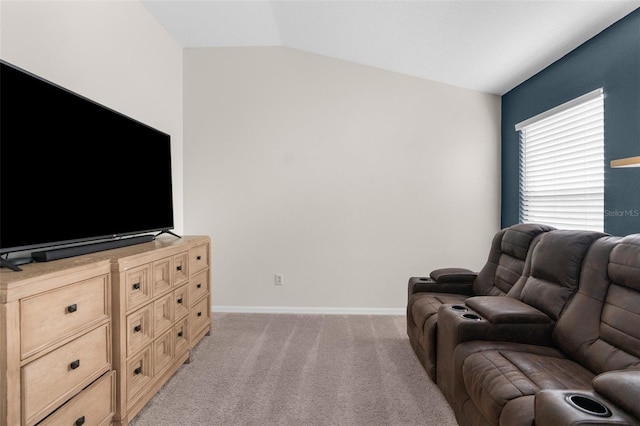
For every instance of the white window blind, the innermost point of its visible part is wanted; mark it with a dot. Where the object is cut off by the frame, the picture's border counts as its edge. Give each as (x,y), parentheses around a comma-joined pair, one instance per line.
(562,165)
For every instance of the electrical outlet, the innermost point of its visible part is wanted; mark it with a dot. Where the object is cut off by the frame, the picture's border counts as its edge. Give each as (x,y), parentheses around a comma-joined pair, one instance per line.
(279,279)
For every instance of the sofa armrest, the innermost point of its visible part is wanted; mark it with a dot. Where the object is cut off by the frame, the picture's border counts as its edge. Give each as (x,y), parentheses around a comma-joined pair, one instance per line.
(579,407)
(458,275)
(506,310)
(519,324)
(446,280)
(621,387)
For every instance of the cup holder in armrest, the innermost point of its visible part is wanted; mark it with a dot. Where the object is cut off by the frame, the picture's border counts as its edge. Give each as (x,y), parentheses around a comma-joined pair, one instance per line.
(425,279)
(588,405)
(471,317)
(459,308)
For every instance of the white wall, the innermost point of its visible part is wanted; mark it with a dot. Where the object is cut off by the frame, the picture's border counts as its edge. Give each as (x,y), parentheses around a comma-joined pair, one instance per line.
(113,52)
(345,178)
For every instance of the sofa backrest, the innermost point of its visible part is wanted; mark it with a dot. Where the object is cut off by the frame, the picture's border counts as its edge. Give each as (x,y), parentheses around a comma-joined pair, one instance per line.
(600,328)
(506,263)
(556,262)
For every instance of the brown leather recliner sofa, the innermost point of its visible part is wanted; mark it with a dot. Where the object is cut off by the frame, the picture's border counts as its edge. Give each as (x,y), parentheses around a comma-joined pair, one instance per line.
(561,347)
(504,267)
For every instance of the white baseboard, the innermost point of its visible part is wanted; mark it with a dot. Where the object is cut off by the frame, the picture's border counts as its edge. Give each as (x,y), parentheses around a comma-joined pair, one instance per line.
(308,310)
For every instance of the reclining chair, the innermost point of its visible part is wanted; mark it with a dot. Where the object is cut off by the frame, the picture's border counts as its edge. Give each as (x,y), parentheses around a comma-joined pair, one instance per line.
(507,263)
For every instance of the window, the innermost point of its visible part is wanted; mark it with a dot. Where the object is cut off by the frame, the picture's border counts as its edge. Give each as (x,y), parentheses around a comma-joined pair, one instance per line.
(562,165)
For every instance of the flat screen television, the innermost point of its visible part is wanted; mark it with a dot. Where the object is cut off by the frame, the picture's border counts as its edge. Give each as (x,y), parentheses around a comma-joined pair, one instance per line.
(74,171)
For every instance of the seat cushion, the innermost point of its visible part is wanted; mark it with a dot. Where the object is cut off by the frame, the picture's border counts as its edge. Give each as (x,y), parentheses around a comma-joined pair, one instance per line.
(493,378)
(422,323)
(423,305)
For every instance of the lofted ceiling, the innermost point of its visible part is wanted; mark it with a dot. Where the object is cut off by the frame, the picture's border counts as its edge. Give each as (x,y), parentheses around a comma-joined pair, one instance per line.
(488,46)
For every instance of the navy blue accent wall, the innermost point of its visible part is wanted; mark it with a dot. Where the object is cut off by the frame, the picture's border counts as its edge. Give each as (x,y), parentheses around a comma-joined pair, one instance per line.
(610,60)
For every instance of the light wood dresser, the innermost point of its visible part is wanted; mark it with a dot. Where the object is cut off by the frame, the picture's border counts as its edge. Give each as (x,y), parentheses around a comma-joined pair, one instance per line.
(90,339)
(55,332)
(161,309)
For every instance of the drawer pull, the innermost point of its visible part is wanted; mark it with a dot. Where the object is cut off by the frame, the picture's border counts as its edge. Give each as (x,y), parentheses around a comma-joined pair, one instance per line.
(137,371)
(136,286)
(199,285)
(199,258)
(179,268)
(75,364)
(72,308)
(199,314)
(179,333)
(180,301)
(80,421)
(137,328)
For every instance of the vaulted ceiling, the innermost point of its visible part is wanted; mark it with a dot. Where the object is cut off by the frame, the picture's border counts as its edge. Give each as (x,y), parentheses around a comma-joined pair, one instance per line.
(489,46)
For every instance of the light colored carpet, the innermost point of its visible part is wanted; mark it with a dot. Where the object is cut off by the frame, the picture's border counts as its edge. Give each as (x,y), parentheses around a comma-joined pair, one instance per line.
(287,369)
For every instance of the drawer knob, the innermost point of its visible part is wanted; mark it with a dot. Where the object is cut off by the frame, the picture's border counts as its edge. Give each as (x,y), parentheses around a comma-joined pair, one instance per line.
(136,286)
(199,314)
(198,257)
(199,285)
(79,421)
(75,364)
(72,308)
(179,268)
(137,328)
(137,371)
(180,301)
(179,333)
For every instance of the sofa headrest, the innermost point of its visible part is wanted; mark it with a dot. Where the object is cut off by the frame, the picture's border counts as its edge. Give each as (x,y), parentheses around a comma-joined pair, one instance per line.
(624,262)
(517,238)
(598,329)
(556,263)
(559,255)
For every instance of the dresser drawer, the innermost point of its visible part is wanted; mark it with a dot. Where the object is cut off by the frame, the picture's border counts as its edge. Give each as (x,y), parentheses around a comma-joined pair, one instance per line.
(181,333)
(138,286)
(163,352)
(55,315)
(199,257)
(162,279)
(200,316)
(94,406)
(138,374)
(199,286)
(50,380)
(181,298)
(180,268)
(139,329)
(163,314)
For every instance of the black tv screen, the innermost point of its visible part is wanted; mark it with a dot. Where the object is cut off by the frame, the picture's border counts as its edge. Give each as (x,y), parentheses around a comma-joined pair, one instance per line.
(72,170)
